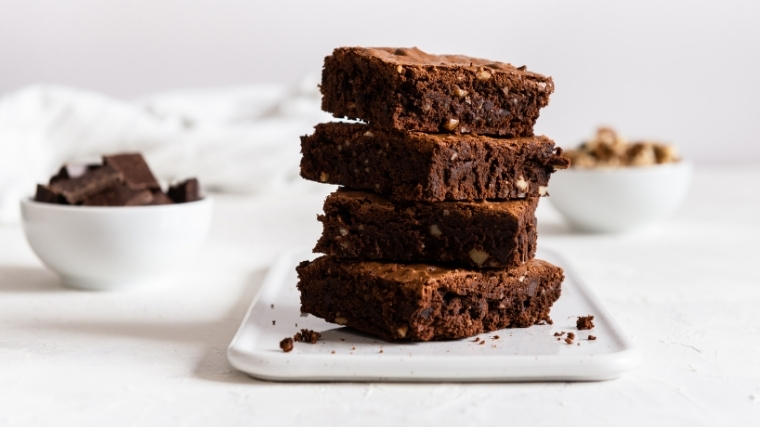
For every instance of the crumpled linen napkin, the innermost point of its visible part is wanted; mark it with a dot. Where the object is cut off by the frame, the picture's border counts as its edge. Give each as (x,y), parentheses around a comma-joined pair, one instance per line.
(242,139)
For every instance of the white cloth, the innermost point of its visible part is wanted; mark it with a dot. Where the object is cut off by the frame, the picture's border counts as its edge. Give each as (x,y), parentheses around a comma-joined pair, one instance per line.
(235,139)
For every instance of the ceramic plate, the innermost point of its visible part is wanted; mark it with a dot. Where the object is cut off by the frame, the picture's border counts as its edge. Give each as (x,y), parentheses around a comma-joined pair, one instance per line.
(343,354)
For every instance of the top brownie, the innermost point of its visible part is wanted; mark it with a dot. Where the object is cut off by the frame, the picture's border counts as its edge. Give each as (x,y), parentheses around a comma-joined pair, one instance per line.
(408,89)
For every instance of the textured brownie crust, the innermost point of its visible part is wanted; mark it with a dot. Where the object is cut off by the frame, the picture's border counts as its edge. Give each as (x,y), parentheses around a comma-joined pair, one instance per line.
(408,89)
(422,302)
(429,167)
(363,225)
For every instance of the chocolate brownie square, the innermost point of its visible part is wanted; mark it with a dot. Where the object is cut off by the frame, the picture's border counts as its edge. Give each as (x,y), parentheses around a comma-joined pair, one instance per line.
(429,167)
(408,89)
(364,225)
(422,302)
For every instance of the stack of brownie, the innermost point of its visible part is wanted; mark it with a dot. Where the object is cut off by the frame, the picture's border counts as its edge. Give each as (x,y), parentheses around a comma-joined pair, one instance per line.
(433,233)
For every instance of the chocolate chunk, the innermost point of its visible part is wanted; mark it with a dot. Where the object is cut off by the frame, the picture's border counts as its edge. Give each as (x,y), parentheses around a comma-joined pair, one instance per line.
(160,198)
(136,173)
(73,170)
(45,195)
(119,195)
(75,190)
(186,191)
(585,322)
(286,345)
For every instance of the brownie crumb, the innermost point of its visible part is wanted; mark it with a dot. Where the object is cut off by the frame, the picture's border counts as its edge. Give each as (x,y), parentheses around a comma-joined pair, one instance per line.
(271,305)
(496,337)
(332,352)
(342,339)
(307,335)
(287,344)
(549,321)
(571,335)
(381,350)
(559,339)
(569,340)
(559,334)
(482,342)
(272,322)
(591,338)
(353,348)
(585,322)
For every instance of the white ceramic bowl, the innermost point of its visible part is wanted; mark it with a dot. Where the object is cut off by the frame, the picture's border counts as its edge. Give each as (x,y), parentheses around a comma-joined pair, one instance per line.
(622,199)
(115,247)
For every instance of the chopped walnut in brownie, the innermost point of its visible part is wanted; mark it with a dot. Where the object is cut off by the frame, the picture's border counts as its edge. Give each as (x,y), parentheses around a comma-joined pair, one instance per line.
(585,322)
(287,344)
(307,335)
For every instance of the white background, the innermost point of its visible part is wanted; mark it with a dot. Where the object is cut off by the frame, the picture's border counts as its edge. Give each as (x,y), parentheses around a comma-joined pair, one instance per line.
(686,72)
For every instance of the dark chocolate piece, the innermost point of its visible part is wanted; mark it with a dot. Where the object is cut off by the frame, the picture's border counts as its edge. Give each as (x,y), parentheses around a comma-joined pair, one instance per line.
(73,170)
(363,225)
(186,191)
(45,195)
(134,169)
(422,302)
(429,167)
(408,89)
(160,198)
(75,190)
(119,195)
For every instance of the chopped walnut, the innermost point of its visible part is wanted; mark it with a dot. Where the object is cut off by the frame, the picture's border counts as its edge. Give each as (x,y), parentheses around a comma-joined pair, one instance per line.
(610,150)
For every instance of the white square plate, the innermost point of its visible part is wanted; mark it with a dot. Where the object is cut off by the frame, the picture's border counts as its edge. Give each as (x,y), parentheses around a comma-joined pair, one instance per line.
(344,354)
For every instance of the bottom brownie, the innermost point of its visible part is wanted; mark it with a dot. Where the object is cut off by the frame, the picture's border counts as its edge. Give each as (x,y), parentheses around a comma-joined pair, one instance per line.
(422,302)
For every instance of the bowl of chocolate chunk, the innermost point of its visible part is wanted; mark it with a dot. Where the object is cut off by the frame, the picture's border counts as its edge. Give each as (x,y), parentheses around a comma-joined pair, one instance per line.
(111,226)
(614,185)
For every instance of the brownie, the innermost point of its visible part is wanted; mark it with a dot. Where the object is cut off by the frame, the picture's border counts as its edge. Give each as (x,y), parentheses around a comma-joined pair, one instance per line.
(408,89)
(364,225)
(422,302)
(429,167)
(585,322)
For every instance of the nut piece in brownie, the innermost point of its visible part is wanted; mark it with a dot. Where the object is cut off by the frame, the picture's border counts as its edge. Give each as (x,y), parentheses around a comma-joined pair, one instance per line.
(408,89)
(422,302)
(364,225)
(429,167)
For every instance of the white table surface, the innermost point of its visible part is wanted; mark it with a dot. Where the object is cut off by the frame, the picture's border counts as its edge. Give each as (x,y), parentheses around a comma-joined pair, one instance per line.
(688,293)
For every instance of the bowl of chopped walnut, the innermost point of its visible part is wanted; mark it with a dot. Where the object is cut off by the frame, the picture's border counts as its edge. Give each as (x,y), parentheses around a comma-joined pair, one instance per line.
(615,186)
